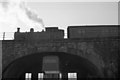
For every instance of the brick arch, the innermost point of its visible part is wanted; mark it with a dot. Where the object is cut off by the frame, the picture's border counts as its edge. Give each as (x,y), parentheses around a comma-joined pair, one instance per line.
(82,49)
(54,53)
(87,54)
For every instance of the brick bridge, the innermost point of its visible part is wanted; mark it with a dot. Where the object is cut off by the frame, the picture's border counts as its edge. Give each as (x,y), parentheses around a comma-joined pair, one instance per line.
(88,49)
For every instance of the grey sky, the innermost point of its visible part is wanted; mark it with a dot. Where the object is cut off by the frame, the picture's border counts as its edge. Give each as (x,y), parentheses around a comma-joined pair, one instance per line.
(63,14)
(71,0)
(119,13)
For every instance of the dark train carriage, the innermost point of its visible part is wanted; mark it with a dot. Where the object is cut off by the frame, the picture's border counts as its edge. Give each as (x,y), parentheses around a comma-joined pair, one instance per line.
(95,31)
(51,67)
(50,63)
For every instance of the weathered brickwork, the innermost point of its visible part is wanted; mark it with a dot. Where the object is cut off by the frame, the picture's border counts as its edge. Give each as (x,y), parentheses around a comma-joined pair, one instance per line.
(100,53)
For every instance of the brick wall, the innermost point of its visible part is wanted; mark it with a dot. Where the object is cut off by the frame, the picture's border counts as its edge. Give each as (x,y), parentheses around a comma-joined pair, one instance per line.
(102,53)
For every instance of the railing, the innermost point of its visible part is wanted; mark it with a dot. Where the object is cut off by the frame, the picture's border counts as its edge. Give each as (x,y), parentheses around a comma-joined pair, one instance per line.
(6,35)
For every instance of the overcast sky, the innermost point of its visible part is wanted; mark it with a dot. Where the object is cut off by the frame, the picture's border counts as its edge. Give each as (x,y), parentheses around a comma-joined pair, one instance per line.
(59,13)
(82,13)
(72,0)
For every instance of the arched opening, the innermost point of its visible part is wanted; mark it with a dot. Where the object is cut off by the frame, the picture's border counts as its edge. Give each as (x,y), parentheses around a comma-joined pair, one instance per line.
(68,63)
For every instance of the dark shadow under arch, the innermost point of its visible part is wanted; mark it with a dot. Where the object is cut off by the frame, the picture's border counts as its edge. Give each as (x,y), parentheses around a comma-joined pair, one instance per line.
(33,64)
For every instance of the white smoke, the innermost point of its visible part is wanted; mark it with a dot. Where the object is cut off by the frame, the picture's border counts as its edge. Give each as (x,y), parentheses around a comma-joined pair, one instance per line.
(15,13)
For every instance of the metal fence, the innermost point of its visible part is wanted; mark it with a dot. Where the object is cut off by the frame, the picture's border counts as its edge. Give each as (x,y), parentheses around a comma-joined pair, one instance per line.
(6,35)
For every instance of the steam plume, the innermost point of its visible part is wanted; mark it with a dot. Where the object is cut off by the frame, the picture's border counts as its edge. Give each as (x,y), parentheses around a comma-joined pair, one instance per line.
(15,13)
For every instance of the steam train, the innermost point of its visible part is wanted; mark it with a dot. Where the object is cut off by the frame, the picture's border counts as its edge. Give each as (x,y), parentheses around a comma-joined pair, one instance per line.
(73,32)
(93,31)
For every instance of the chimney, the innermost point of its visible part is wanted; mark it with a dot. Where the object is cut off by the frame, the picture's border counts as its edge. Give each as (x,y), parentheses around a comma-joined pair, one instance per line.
(18,29)
(31,30)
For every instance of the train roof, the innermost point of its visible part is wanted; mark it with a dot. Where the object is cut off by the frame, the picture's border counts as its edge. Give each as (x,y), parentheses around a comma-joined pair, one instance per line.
(93,26)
